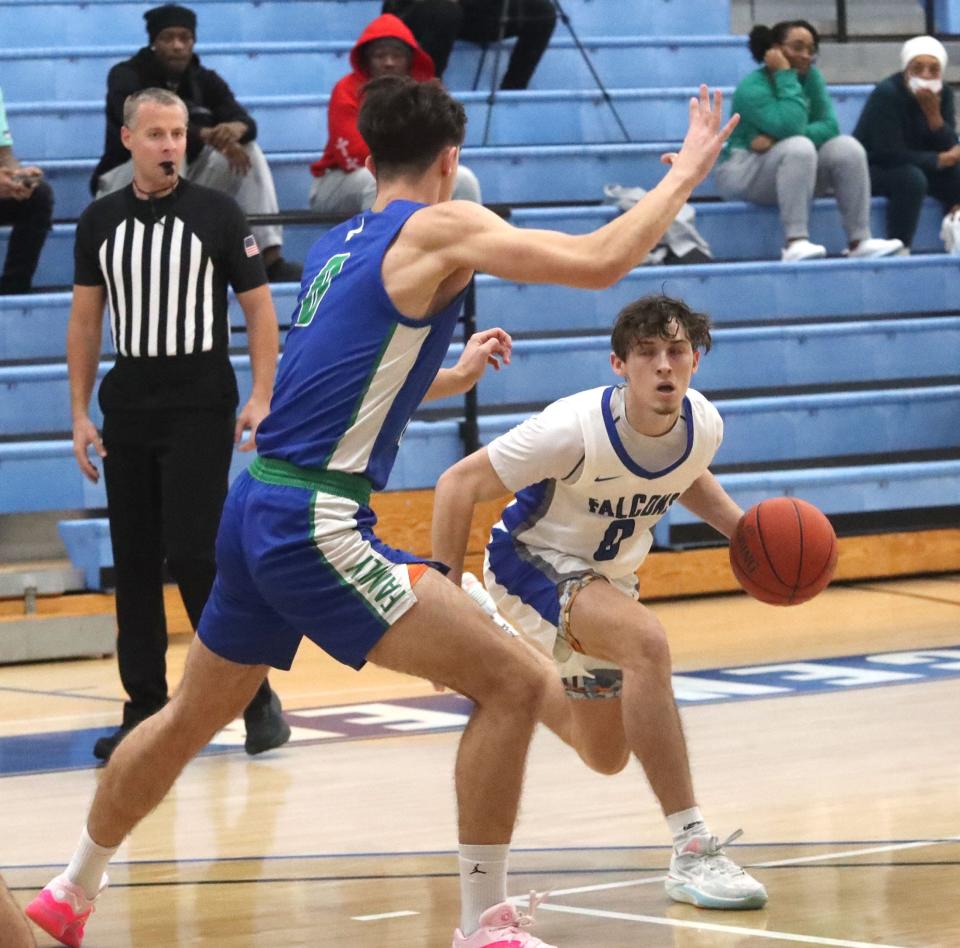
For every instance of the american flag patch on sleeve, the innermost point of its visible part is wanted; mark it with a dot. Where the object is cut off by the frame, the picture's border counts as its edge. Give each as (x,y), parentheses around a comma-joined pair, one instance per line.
(250,245)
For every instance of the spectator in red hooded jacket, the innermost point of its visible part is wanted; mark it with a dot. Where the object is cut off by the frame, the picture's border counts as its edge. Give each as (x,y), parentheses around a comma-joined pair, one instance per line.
(344,185)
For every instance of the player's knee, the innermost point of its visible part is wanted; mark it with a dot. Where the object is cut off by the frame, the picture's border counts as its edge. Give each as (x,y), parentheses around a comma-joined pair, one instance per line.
(606,760)
(523,690)
(648,650)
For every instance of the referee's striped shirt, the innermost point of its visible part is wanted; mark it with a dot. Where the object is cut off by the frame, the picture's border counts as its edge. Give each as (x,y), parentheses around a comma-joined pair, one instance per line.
(165,266)
(160,288)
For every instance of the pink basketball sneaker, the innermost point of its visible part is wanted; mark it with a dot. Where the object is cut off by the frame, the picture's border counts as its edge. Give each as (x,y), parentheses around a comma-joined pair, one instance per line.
(62,909)
(500,927)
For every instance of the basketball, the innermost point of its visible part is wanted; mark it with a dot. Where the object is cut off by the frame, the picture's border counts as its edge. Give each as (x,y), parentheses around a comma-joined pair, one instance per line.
(784,551)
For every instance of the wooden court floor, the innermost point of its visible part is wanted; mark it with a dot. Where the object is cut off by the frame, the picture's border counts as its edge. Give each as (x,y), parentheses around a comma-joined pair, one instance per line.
(849,797)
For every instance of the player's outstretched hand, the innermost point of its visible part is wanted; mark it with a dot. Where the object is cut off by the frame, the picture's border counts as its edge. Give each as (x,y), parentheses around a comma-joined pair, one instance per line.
(487,347)
(705,137)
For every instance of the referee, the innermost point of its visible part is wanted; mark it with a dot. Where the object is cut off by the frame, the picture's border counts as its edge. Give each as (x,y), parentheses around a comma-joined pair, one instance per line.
(161,251)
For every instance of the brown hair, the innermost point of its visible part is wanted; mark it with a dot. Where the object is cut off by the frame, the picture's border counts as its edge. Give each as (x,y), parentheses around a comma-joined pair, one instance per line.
(406,123)
(653,316)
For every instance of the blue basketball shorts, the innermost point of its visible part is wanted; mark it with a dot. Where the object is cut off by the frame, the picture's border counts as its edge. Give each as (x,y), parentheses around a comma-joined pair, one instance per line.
(297,556)
(534,590)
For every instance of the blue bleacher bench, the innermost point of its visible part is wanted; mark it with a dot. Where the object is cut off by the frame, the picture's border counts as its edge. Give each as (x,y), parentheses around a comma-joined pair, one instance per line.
(52,22)
(36,397)
(54,130)
(69,73)
(789,429)
(735,231)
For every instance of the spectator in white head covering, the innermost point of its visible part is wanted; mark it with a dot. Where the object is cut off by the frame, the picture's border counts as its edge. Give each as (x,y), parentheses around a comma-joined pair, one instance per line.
(909,131)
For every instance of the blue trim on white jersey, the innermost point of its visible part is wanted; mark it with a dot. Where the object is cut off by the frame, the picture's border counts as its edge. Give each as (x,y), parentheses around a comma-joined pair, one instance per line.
(621,451)
(519,574)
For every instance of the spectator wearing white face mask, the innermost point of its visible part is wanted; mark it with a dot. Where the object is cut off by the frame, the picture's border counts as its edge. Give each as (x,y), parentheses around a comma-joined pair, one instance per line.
(909,132)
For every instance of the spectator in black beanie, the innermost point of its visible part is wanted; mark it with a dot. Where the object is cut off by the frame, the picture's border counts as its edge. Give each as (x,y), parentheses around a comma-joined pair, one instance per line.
(222,152)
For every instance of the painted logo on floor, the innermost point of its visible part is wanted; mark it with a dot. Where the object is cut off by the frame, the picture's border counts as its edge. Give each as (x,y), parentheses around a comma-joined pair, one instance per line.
(432,714)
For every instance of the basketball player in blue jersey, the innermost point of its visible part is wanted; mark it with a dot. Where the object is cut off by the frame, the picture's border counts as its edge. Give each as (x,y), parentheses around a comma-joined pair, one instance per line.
(591,475)
(296,553)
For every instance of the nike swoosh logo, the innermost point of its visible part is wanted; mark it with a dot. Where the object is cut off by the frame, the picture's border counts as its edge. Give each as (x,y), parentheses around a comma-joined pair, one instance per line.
(613,478)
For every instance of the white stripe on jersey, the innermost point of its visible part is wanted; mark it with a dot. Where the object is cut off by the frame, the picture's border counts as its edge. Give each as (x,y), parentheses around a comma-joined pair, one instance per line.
(190,306)
(173,289)
(102,257)
(383,585)
(116,275)
(207,305)
(136,290)
(156,281)
(355,447)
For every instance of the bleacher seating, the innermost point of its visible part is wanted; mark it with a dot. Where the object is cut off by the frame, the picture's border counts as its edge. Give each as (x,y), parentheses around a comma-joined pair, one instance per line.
(837,379)
(293,128)
(735,231)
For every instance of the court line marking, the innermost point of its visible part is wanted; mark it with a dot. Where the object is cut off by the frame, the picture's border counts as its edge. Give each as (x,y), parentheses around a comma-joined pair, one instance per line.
(713,927)
(382,915)
(879,845)
(773,863)
(906,594)
(51,693)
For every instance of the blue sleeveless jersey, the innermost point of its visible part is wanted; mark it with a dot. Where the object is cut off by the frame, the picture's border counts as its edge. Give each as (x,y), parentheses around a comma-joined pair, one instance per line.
(354,369)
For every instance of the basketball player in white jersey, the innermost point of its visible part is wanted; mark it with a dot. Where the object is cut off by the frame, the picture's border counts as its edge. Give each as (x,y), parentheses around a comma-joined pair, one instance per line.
(591,475)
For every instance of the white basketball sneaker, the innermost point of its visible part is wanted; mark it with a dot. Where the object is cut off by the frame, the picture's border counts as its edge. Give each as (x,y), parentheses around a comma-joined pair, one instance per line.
(702,875)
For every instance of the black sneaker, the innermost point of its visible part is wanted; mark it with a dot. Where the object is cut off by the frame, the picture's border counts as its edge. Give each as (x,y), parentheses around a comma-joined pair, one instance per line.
(105,746)
(266,728)
(283,271)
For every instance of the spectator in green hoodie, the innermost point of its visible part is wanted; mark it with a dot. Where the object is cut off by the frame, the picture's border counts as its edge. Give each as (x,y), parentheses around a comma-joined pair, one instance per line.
(788,147)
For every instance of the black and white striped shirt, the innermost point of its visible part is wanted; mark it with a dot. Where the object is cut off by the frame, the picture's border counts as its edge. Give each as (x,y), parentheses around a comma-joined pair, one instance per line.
(165,265)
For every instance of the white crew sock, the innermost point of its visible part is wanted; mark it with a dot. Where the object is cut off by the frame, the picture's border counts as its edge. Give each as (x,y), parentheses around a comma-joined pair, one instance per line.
(683,821)
(483,882)
(88,864)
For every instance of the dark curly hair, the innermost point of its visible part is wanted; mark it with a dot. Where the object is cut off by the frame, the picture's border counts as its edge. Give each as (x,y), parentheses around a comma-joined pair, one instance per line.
(652,316)
(763,37)
(406,123)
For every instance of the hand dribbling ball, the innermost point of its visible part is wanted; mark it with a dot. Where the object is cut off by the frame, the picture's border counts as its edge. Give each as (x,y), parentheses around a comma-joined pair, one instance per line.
(783,551)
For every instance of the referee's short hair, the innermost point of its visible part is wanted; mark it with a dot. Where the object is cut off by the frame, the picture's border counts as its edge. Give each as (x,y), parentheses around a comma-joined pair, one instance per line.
(406,123)
(159,96)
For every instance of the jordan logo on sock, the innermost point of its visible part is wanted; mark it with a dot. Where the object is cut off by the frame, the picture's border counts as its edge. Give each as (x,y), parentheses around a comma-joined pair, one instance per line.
(477,871)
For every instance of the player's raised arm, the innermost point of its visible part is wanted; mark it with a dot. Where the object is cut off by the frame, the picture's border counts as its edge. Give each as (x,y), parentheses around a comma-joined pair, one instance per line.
(466,236)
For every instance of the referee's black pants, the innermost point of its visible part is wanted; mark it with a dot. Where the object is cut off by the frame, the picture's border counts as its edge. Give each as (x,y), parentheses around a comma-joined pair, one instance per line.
(166,478)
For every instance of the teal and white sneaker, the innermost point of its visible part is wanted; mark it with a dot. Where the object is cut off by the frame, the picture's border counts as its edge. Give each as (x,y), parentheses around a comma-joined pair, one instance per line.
(702,875)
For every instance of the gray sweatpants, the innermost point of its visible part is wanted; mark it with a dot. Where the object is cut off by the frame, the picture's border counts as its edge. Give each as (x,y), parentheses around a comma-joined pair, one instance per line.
(350,192)
(253,191)
(792,172)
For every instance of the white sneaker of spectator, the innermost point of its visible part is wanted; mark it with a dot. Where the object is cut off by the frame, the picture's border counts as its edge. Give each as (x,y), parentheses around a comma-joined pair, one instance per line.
(875,247)
(950,232)
(802,249)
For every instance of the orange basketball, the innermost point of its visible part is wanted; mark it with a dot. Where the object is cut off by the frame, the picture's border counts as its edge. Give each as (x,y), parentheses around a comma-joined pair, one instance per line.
(784,551)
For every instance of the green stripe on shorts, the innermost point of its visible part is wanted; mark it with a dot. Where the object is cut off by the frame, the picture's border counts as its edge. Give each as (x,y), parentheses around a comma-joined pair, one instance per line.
(339,483)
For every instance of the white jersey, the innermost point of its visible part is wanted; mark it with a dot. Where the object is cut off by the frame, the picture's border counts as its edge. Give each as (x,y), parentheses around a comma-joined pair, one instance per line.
(597,515)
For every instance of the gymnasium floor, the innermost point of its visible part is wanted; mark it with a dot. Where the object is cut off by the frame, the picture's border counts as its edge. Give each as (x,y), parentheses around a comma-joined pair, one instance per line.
(828,731)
